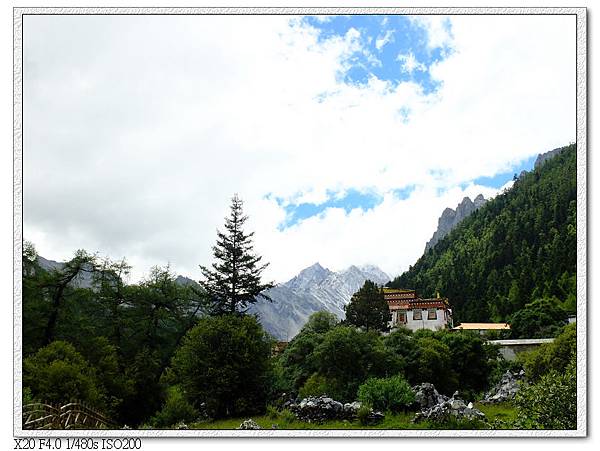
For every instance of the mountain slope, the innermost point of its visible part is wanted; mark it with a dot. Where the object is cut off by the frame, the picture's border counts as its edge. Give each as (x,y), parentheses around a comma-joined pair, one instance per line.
(313,289)
(519,246)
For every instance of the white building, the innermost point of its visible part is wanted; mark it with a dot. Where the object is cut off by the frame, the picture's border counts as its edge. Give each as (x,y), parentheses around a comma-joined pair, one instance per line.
(415,313)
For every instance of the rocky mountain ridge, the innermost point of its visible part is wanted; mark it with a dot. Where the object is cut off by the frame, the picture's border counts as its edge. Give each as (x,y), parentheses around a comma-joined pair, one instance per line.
(315,288)
(451,218)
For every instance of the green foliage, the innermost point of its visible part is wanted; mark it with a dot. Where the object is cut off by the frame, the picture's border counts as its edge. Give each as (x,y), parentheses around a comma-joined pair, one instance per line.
(542,318)
(471,359)
(296,364)
(347,357)
(316,385)
(553,356)
(234,281)
(225,362)
(518,247)
(176,409)
(57,373)
(393,393)
(435,365)
(320,322)
(28,396)
(363,413)
(368,308)
(550,403)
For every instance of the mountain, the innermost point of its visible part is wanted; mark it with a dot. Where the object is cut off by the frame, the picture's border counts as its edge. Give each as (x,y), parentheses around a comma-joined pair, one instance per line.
(451,218)
(83,279)
(315,288)
(518,247)
(543,157)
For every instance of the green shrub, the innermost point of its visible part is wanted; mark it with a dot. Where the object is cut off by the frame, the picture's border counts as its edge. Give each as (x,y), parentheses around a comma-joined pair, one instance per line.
(550,403)
(225,362)
(363,414)
(393,393)
(59,374)
(553,356)
(175,410)
(286,417)
(272,412)
(316,385)
(347,357)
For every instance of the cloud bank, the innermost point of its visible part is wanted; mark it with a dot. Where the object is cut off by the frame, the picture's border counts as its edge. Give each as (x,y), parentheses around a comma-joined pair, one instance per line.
(139,129)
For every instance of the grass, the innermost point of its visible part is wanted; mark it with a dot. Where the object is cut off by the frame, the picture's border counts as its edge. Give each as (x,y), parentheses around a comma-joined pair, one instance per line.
(392,421)
(503,411)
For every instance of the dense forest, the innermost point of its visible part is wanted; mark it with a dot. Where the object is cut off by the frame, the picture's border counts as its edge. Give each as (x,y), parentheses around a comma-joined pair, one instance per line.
(514,259)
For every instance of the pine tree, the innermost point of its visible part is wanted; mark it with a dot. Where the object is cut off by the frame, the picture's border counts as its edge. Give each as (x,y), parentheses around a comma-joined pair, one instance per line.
(234,281)
(368,308)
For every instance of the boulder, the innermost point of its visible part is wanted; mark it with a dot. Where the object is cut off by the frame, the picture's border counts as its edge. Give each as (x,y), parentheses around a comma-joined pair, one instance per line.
(505,390)
(322,408)
(426,396)
(448,408)
(249,425)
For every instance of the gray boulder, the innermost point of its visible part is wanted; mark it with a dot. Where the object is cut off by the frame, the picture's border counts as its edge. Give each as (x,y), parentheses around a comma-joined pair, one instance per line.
(426,396)
(249,425)
(450,408)
(322,408)
(506,389)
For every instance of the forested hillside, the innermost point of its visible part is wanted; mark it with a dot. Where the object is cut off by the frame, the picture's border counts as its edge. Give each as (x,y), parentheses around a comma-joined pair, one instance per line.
(518,248)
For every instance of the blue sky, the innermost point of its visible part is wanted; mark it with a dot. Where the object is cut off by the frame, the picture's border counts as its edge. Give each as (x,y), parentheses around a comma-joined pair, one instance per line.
(367,200)
(393,48)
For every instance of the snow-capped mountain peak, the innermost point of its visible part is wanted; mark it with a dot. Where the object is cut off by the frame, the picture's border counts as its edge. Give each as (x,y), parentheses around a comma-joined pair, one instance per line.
(314,288)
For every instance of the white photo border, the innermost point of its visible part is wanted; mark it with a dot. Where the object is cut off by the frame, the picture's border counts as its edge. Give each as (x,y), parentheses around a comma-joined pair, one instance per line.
(581,136)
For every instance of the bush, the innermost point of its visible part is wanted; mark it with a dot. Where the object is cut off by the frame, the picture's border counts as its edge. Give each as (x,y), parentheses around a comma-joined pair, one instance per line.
(551,403)
(435,365)
(471,359)
(347,357)
(554,356)
(316,385)
(393,393)
(225,362)
(58,374)
(363,414)
(175,410)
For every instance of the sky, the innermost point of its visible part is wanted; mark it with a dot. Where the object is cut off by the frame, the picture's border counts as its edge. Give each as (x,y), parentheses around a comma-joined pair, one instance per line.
(346,137)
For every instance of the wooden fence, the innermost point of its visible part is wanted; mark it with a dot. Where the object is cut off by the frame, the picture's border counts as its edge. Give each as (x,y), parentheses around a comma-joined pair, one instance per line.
(70,416)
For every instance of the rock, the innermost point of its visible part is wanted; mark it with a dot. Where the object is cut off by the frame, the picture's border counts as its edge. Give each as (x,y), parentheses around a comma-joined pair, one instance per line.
(451,218)
(427,396)
(505,390)
(446,408)
(543,157)
(322,408)
(181,425)
(249,425)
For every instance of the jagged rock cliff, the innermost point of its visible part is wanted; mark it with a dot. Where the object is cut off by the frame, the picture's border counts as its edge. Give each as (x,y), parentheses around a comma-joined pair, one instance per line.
(543,157)
(450,218)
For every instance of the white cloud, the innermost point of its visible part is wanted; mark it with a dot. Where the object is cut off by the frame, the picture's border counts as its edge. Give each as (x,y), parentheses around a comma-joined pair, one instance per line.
(139,129)
(410,63)
(387,37)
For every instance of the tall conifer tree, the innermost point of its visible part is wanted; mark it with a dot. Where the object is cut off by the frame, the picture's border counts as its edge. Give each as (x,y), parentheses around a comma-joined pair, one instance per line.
(368,308)
(234,281)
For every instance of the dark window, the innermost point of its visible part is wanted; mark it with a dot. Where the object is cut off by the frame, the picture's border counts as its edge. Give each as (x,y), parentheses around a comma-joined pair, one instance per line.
(417,314)
(432,314)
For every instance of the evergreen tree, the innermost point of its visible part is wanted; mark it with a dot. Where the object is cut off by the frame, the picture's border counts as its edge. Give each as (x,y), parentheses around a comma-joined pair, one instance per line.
(368,308)
(235,278)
